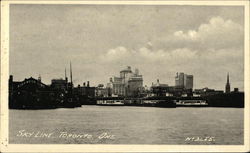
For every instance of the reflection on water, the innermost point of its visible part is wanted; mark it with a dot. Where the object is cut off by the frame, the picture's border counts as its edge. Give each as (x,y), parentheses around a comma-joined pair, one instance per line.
(127,125)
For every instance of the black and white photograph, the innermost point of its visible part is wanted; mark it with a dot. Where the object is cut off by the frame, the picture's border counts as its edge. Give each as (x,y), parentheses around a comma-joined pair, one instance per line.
(126,74)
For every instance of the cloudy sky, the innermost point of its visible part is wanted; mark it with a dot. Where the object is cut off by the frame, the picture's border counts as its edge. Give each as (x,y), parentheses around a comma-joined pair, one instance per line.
(100,40)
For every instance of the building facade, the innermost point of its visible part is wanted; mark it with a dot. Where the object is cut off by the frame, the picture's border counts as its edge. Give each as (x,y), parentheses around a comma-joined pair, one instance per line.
(128,84)
(117,86)
(184,81)
(135,86)
(188,81)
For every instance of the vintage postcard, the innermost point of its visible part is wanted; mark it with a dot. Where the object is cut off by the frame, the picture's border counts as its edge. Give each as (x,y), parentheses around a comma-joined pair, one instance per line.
(125,76)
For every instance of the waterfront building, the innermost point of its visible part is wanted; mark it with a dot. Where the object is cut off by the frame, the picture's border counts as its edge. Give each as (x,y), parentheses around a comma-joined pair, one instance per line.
(206,92)
(135,85)
(184,81)
(227,87)
(188,81)
(59,84)
(117,86)
(101,91)
(30,93)
(128,84)
(85,90)
(159,89)
(125,75)
(62,84)
(179,80)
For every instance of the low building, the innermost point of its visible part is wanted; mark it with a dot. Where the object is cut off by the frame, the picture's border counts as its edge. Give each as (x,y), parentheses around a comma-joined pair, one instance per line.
(102,91)
(159,89)
(30,93)
(206,92)
(85,91)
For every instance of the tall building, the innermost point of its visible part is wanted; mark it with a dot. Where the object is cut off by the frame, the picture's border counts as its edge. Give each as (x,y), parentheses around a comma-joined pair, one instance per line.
(188,81)
(128,84)
(125,75)
(117,86)
(227,88)
(184,80)
(135,84)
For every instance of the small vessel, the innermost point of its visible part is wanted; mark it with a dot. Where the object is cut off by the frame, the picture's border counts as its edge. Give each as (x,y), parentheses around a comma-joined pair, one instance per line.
(192,103)
(110,102)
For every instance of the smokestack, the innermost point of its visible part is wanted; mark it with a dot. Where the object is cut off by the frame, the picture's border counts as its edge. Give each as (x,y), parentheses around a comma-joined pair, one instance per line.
(87,83)
(11,78)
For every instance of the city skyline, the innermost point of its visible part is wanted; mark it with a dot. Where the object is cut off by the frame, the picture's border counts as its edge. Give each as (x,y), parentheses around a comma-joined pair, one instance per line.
(153,83)
(206,42)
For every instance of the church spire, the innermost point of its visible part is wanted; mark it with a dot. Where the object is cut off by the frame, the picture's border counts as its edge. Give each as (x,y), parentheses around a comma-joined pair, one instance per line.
(227,90)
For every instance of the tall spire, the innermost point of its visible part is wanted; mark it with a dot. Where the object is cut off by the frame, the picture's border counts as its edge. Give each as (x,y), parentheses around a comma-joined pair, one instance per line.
(227,88)
(71,73)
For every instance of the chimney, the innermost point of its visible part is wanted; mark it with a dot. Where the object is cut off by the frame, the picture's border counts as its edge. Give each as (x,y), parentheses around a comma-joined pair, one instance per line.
(129,67)
(87,83)
(11,78)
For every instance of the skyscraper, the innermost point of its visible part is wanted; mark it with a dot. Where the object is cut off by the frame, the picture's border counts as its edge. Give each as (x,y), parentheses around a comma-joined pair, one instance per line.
(128,84)
(227,90)
(188,81)
(179,80)
(184,80)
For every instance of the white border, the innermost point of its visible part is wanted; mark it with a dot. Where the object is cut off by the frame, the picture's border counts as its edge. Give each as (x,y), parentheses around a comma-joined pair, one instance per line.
(6,147)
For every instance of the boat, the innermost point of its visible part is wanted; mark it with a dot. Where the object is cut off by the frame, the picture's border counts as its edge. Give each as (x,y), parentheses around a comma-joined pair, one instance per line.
(110,102)
(192,103)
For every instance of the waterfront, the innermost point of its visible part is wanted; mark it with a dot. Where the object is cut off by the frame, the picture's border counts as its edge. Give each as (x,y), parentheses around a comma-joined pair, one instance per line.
(127,125)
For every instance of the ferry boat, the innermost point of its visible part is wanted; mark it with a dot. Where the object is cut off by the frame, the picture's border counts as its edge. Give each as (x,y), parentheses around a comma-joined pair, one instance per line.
(192,103)
(110,102)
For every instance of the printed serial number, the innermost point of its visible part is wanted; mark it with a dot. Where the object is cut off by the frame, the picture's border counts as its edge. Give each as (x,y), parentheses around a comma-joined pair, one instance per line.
(209,139)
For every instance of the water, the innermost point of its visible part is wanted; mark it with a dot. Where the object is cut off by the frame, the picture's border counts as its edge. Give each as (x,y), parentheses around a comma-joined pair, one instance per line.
(127,125)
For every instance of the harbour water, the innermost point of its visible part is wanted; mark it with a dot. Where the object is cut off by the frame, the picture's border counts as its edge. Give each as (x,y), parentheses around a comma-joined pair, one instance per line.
(127,125)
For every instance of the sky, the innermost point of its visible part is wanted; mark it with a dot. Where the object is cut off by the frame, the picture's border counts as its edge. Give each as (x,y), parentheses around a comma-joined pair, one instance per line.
(101,40)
